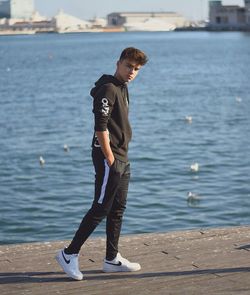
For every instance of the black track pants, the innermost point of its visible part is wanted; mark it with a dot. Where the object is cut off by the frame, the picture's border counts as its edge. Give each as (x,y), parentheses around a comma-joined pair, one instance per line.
(111,187)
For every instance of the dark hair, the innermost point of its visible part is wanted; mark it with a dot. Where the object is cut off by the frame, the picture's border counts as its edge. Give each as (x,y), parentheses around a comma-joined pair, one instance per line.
(134,54)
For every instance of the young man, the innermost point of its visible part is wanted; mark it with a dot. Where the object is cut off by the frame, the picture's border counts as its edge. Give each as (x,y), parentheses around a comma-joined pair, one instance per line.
(109,153)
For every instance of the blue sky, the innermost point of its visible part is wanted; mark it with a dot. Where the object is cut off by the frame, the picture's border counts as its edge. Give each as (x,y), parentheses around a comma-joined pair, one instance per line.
(192,9)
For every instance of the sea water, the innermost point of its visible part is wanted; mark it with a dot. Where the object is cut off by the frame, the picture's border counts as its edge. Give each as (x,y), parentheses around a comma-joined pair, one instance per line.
(190,104)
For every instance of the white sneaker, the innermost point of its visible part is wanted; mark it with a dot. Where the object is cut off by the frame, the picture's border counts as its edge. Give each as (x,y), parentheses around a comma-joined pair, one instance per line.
(69,264)
(120,264)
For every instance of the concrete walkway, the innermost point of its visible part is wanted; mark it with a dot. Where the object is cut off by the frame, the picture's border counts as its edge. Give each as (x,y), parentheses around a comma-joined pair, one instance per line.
(214,261)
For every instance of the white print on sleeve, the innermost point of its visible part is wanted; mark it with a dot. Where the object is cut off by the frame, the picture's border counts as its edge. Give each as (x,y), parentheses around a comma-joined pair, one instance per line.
(105,107)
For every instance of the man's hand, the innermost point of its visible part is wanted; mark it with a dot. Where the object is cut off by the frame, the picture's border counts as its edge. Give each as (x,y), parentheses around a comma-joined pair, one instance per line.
(110,160)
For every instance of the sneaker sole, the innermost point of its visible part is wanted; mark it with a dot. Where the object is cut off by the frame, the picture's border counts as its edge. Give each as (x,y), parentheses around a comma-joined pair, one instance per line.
(120,270)
(58,259)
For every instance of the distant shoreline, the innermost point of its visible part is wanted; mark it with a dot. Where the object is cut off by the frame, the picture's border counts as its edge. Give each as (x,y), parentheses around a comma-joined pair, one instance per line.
(189,29)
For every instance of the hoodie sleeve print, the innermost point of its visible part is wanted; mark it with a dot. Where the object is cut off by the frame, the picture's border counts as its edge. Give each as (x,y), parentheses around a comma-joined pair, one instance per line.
(103,104)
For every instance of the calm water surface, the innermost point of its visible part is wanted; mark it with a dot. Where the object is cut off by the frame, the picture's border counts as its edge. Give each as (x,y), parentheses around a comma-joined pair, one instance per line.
(45,103)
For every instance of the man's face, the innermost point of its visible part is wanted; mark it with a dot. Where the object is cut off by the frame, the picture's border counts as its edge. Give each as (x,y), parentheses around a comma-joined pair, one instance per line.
(127,70)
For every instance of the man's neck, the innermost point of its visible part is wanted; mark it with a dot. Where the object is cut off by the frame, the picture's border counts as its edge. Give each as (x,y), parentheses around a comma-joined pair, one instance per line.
(118,77)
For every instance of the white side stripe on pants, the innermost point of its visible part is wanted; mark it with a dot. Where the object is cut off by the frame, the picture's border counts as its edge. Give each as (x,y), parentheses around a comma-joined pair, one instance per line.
(105,181)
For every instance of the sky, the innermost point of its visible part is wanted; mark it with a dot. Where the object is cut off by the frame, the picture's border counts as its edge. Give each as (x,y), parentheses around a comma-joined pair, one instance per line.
(191,9)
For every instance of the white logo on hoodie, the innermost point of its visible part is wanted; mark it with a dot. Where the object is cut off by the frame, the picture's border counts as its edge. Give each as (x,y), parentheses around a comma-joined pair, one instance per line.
(105,106)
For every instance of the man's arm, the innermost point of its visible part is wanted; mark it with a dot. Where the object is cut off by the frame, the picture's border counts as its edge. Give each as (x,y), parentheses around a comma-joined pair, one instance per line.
(103,139)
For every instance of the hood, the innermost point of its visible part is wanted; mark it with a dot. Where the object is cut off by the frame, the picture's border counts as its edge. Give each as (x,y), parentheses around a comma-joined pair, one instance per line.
(105,79)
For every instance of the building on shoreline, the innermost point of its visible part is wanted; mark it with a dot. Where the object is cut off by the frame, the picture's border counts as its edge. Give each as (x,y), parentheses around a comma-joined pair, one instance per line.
(65,23)
(16,9)
(60,23)
(36,23)
(19,17)
(229,17)
(147,21)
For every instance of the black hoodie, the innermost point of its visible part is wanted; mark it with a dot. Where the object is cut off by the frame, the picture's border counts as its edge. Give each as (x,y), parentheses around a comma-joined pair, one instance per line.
(110,107)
